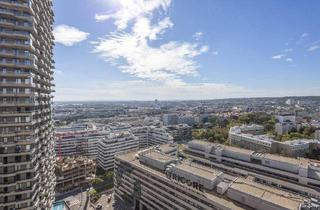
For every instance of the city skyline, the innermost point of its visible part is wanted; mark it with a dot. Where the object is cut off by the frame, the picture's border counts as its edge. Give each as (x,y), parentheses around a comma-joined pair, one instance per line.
(174,50)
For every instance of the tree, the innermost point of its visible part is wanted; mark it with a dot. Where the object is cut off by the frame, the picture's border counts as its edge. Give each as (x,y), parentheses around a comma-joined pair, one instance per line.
(92,192)
(109,175)
(96,181)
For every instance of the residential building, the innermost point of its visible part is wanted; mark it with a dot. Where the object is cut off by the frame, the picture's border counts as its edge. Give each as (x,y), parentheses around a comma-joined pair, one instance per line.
(245,136)
(181,132)
(294,148)
(114,143)
(152,135)
(286,123)
(170,119)
(149,179)
(187,119)
(284,128)
(27,156)
(282,118)
(264,143)
(74,172)
(78,139)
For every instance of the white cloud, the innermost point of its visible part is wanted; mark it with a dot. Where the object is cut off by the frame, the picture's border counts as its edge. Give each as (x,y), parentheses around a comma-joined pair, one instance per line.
(198,35)
(304,35)
(134,47)
(288,50)
(175,90)
(69,35)
(313,48)
(277,57)
(289,59)
(149,90)
(130,10)
(215,52)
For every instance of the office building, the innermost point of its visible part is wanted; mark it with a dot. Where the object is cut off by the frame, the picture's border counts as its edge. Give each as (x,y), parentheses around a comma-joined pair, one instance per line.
(149,179)
(27,157)
(296,175)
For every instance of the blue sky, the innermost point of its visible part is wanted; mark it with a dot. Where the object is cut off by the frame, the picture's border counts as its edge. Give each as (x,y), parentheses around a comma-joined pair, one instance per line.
(186,49)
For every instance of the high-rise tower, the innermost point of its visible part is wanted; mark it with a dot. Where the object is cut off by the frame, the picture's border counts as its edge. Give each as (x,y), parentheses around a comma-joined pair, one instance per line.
(27,158)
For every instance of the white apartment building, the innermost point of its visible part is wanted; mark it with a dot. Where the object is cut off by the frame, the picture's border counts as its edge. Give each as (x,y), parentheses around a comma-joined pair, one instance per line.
(244,136)
(263,143)
(152,135)
(114,143)
(78,139)
(286,118)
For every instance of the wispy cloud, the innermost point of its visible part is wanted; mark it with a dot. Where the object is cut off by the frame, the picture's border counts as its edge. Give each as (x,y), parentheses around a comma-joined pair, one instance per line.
(198,35)
(304,35)
(148,90)
(288,50)
(133,43)
(215,52)
(313,47)
(69,35)
(289,59)
(277,57)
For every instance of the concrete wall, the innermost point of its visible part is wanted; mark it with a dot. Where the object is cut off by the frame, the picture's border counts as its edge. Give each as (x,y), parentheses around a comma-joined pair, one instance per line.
(237,155)
(280,165)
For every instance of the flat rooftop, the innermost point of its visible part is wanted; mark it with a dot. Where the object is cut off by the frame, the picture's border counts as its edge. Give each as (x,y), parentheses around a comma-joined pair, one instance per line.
(205,144)
(268,194)
(294,161)
(159,157)
(199,171)
(239,150)
(222,201)
(166,148)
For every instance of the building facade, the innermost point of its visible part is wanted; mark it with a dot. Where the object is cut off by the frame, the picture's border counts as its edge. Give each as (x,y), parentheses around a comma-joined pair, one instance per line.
(114,143)
(253,140)
(181,132)
(170,119)
(298,175)
(74,172)
(152,135)
(27,157)
(83,141)
(149,179)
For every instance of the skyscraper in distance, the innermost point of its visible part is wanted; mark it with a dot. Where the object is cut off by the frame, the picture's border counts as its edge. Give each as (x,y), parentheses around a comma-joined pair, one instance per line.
(27,157)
